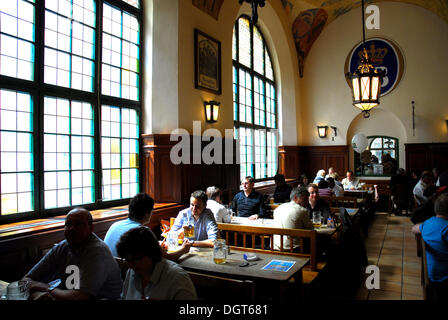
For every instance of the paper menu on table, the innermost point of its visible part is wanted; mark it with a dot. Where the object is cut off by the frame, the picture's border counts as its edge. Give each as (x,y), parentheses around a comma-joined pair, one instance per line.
(279,265)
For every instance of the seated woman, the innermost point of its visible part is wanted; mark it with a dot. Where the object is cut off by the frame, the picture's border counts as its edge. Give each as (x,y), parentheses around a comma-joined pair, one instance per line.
(282,189)
(324,189)
(150,276)
(303,180)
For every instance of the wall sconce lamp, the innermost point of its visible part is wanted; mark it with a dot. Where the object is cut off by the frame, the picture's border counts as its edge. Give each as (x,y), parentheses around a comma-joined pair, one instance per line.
(322,131)
(211,111)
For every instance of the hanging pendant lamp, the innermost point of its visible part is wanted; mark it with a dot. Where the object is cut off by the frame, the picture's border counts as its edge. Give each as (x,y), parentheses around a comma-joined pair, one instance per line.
(366,80)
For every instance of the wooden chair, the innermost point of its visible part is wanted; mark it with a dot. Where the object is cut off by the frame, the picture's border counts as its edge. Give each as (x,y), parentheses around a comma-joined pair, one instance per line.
(309,272)
(428,292)
(347,202)
(214,288)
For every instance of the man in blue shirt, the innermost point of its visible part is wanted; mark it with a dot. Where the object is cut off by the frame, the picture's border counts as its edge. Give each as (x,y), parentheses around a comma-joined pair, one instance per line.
(205,226)
(140,209)
(249,203)
(434,232)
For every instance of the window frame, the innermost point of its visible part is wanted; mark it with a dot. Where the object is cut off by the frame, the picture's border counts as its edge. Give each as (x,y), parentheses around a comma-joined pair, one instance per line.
(357,157)
(38,89)
(251,71)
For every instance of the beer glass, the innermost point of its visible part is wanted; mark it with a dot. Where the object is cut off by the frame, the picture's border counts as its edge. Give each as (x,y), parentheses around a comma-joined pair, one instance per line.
(17,290)
(317,219)
(219,251)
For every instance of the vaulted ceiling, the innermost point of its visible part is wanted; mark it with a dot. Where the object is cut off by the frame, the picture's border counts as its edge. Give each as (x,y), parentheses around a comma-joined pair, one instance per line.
(309,17)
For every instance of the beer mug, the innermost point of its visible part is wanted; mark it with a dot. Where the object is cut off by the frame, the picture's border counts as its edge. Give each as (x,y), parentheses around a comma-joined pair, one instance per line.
(188,227)
(219,251)
(172,241)
(17,290)
(317,219)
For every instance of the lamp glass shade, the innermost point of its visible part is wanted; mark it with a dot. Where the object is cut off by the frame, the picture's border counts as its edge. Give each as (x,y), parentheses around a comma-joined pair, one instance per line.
(322,131)
(215,112)
(211,111)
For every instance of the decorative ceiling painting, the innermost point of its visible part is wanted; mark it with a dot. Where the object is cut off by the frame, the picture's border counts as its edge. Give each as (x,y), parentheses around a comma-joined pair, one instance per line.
(309,17)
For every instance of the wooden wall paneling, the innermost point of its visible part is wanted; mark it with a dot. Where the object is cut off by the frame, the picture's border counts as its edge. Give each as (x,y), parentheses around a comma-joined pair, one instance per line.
(289,161)
(422,156)
(167,182)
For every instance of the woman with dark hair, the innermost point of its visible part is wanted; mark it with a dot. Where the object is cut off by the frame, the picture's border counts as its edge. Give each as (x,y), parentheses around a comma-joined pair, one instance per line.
(150,276)
(303,180)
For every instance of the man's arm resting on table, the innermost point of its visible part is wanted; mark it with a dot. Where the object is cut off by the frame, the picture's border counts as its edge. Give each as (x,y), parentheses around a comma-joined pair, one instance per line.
(39,291)
(204,243)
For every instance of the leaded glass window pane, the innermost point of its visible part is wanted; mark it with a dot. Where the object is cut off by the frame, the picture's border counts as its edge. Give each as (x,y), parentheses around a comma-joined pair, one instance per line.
(254,102)
(258,52)
(17,39)
(16,152)
(121,54)
(70,44)
(135,3)
(244,49)
(68,153)
(120,152)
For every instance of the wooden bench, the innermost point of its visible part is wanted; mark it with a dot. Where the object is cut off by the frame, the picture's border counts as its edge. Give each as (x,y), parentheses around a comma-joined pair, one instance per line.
(348,202)
(428,290)
(309,272)
(214,288)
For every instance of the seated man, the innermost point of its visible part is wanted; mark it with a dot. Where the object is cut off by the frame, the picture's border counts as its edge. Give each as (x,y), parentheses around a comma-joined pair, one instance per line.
(434,232)
(316,204)
(320,175)
(282,189)
(350,182)
(214,203)
(293,215)
(150,276)
(337,190)
(249,203)
(99,275)
(205,227)
(140,212)
(419,189)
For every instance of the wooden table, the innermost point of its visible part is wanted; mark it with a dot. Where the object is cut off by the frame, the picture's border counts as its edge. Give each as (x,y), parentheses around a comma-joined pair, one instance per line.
(201,261)
(351,211)
(358,193)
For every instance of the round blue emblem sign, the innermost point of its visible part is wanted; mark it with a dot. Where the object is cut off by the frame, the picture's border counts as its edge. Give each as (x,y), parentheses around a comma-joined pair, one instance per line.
(385,55)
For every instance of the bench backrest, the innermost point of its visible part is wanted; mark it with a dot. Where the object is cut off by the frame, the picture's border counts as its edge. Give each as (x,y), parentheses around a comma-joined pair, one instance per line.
(348,202)
(231,232)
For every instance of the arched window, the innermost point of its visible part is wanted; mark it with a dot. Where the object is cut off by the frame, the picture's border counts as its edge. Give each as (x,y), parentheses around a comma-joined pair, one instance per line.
(379,146)
(254,101)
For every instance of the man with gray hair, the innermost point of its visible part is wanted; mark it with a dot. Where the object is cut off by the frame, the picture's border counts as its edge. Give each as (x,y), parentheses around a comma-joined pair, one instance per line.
(214,203)
(293,215)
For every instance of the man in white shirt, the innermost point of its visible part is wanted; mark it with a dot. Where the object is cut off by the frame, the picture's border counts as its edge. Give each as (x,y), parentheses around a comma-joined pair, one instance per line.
(293,215)
(338,191)
(214,203)
(419,189)
(350,182)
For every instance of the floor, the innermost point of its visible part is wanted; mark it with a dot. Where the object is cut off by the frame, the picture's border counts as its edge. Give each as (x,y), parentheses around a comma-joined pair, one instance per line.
(392,247)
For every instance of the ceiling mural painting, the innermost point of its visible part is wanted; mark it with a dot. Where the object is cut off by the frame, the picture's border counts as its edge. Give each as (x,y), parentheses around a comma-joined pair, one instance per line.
(211,7)
(310,17)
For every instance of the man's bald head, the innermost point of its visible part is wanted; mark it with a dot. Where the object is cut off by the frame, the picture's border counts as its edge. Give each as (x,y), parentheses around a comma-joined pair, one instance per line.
(78,226)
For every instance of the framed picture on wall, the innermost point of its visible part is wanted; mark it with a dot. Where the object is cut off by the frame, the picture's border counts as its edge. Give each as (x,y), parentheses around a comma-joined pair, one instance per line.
(207,62)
